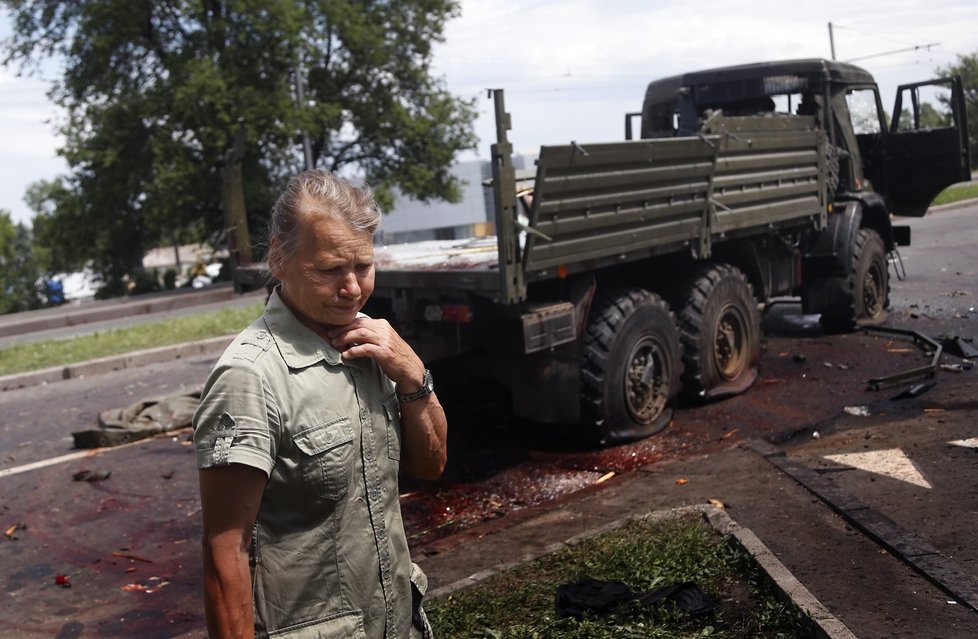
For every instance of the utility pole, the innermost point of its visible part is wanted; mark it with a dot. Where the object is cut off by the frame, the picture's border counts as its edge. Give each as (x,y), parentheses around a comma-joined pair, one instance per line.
(832,40)
(300,96)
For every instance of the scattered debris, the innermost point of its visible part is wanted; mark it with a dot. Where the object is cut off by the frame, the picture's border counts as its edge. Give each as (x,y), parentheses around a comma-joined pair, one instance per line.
(857,411)
(828,365)
(680,482)
(716,502)
(605,477)
(957,294)
(144,588)
(91,475)
(915,391)
(10,533)
(799,358)
(932,348)
(126,555)
(843,367)
(729,433)
(958,346)
(956,368)
(63,581)
(167,475)
(815,434)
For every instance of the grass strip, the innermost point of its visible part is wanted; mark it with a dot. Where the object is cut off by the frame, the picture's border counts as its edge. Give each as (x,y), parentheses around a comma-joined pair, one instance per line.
(644,554)
(956,193)
(36,355)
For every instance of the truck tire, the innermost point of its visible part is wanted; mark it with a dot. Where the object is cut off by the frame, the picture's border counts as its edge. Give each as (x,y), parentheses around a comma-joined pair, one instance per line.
(861,299)
(632,363)
(720,329)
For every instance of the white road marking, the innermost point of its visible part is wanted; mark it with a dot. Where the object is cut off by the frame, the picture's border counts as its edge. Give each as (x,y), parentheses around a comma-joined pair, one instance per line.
(889,463)
(966,443)
(82,454)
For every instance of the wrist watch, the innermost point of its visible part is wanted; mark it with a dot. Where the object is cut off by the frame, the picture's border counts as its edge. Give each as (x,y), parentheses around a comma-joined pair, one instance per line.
(427,388)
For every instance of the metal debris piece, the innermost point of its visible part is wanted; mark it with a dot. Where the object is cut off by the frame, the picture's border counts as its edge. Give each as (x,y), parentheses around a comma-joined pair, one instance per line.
(915,391)
(933,348)
(63,581)
(857,411)
(958,347)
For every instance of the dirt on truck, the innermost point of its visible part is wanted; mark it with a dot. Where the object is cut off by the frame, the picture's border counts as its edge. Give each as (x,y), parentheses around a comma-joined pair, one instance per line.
(629,275)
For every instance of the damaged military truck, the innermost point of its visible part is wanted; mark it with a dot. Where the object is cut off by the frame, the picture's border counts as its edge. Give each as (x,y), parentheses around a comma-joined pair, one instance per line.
(624,275)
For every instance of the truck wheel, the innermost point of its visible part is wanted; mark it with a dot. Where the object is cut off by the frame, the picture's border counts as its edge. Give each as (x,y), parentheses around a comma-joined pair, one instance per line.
(631,367)
(720,330)
(862,298)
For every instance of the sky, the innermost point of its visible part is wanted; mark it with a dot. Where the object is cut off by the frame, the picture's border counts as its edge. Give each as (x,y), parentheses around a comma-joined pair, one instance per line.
(571,69)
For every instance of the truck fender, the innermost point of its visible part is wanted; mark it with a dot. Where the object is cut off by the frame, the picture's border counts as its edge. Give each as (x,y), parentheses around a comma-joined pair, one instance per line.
(830,252)
(875,216)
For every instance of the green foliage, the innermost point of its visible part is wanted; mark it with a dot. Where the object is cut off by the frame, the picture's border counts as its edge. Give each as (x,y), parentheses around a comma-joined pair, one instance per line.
(645,554)
(967,68)
(956,194)
(19,267)
(164,98)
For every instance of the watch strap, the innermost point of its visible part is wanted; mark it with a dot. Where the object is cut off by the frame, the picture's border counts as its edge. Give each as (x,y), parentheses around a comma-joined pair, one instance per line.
(427,388)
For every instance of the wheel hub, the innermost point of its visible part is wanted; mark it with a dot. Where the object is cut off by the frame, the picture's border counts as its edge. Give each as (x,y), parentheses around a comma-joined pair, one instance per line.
(730,343)
(873,291)
(646,382)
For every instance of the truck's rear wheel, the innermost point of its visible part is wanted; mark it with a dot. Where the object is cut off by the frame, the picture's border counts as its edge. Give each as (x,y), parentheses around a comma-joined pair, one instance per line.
(631,368)
(720,331)
(861,298)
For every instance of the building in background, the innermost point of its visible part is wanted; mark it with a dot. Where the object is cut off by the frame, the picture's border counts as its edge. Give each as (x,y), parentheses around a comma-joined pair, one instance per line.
(413,221)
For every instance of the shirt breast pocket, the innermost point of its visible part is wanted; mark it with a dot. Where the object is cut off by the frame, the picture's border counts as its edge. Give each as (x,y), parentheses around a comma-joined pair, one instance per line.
(326,458)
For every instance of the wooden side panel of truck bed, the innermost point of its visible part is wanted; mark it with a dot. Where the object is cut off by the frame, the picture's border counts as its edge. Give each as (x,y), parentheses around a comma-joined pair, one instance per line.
(606,203)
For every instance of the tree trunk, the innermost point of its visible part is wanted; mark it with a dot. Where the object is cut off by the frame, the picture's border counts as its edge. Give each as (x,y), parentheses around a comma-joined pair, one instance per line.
(235,214)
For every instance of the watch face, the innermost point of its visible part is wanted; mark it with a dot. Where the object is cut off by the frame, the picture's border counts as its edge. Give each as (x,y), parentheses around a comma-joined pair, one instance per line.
(429,382)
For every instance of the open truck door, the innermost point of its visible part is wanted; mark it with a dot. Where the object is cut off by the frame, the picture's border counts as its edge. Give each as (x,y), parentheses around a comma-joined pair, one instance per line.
(923,159)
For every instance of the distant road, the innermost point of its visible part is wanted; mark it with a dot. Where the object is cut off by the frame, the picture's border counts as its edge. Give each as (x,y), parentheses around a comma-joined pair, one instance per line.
(71,320)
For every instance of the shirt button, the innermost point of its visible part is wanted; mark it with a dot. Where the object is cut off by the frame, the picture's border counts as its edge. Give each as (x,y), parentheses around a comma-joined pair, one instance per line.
(387,573)
(329,438)
(369,454)
(381,533)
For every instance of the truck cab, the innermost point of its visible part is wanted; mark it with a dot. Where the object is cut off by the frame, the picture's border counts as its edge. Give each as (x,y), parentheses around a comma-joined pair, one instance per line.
(907,158)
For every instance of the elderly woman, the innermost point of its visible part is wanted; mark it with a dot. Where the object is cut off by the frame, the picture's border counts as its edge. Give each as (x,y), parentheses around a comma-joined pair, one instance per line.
(302,427)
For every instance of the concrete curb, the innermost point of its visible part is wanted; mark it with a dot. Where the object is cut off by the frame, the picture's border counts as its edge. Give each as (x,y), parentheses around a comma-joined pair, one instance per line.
(960,204)
(111,363)
(46,319)
(823,625)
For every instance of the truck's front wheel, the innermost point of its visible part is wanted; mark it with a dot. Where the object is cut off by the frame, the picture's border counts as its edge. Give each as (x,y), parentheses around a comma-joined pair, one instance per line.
(631,368)
(720,329)
(862,298)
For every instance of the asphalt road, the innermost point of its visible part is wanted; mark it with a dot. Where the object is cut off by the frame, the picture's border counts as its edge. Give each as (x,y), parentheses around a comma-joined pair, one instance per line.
(128,544)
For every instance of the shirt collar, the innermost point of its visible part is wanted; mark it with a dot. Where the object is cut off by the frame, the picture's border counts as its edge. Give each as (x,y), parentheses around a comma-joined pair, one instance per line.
(299,345)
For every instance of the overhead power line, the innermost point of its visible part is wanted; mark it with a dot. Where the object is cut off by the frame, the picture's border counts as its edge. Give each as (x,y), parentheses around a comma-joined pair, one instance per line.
(919,47)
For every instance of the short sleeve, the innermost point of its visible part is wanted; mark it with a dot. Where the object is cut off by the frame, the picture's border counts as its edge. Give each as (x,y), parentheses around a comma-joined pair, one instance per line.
(233,424)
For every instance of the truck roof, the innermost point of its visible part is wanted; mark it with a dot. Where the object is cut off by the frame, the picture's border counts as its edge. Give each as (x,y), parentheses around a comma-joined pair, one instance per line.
(771,78)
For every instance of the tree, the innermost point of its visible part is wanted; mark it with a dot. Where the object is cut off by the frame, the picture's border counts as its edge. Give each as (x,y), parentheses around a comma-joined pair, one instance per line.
(19,270)
(182,117)
(967,68)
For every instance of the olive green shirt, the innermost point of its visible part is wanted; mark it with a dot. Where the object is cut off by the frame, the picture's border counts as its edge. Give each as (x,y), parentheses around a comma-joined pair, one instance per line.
(329,557)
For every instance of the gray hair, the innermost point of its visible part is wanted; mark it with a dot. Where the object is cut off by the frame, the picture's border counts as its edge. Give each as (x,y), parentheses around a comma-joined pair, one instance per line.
(317,192)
